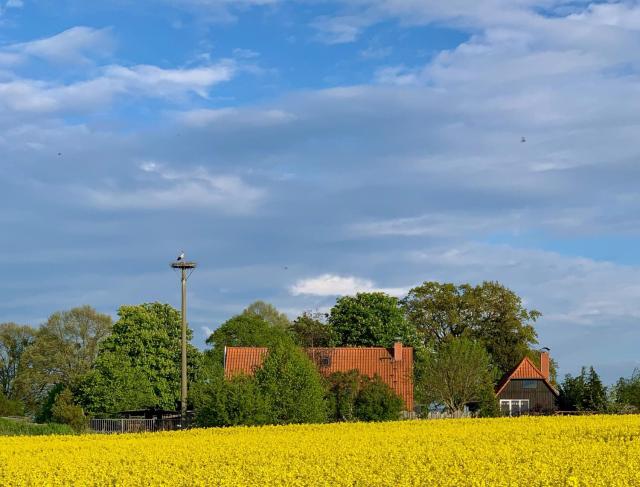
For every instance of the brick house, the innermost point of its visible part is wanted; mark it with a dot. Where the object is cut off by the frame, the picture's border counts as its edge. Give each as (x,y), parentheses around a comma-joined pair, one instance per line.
(393,365)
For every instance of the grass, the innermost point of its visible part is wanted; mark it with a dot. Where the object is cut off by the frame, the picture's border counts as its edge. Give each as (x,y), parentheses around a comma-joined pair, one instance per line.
(11,427)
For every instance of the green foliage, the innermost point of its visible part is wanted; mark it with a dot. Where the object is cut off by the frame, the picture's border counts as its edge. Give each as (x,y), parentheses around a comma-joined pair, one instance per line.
(355,397)
(116,385)
(370,320)
(376,401)
(287,389)
(627,391)
(65,411)
(10,407)
(62,353)
(489,312)
(488,405)
(14,340)
(291,387)
(139,363)
(45,414)
(238,401)
(456,373)
(343,389)
(268,313)
(246,330)
(584,392)
(310,331)
(10,427)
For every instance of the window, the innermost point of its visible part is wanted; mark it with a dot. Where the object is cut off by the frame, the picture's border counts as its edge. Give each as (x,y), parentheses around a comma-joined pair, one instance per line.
(530,384)
(514,407)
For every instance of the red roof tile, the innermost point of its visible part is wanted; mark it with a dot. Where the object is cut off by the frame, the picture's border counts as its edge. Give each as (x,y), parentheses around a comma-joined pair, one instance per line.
(524,370)
(397,374)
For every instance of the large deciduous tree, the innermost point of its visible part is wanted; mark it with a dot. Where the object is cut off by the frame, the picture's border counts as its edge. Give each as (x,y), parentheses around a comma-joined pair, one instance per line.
(311,330)
(139,363)
(370,320)
(14,340)
(62,352)
(268,313)
(245,330)
(291,386)
(455,374)
(489,312)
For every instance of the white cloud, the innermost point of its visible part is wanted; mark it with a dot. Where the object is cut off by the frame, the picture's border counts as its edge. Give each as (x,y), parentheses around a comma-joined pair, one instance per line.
(170,189)
(242,118)
(14,4)
(24,95)
(335,285)
(76,45)
(443,225)
(339,30)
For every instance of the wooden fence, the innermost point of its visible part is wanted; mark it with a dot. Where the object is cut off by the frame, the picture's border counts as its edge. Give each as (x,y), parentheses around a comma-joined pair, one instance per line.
(134,425)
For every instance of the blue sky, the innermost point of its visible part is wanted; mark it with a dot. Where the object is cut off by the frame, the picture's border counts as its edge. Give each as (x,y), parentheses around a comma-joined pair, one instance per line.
(300,150)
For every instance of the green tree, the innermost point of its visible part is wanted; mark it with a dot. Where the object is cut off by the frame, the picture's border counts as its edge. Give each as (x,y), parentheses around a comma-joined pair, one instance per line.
(14,340)
(352,396)
(245,330)
(142,350)
(268,313)
(343,388)
(489,312)
(376,401)
(220,402)
(627,391)
(310,331)
(370,320)
(10,407)
(291,386)
(596,397)
(62,352)
(584,392)
(65,411)
(572,392)
(455,374)
(116,385)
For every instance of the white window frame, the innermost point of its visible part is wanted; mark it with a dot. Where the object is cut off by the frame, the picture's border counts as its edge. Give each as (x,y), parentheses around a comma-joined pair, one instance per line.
(513,402)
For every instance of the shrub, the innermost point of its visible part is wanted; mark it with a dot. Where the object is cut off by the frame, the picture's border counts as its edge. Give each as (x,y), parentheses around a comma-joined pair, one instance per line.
(291,387)
(377,401)
(65,411)
(343,389)
(357,397)
(10,407)
(10,427)
(238,401)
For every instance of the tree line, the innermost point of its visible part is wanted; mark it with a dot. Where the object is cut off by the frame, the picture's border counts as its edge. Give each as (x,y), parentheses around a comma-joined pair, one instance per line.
(81,364)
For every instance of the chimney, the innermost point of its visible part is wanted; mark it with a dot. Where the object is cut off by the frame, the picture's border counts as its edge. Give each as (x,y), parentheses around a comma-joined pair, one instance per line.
(544,364)
(397,351)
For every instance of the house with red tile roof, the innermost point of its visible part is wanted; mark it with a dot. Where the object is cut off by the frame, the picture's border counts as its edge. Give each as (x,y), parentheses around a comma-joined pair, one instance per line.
(393,365)
(526,388)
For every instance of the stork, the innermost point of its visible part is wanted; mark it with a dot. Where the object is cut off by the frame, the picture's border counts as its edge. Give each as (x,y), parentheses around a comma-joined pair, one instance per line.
(181,256)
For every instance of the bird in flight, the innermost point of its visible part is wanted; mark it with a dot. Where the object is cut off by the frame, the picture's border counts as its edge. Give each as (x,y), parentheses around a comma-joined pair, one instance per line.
(181,256)
(523,139)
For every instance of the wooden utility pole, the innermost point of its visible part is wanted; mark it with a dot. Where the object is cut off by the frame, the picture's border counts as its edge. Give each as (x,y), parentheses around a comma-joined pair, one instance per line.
(186,268)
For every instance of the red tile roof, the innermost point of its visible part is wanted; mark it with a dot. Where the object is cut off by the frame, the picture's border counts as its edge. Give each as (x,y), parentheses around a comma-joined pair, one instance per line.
(397,374)
(524,370)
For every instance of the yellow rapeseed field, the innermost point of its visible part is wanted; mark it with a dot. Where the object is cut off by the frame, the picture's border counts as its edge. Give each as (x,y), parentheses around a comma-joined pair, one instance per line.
(532,451)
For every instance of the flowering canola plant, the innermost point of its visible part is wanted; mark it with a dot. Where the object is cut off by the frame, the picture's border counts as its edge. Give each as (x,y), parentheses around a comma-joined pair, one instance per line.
(531,451)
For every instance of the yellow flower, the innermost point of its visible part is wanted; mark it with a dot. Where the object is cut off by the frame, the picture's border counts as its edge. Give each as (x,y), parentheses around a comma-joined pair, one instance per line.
(536,451)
